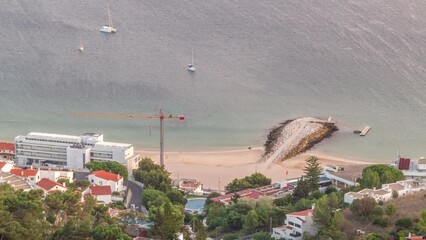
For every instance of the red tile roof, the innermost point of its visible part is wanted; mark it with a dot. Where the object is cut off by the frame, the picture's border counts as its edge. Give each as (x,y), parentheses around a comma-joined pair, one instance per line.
(100,190)
(2,164)
(7,146)
(24,172)
(302,213)
(48,184)
(107,175)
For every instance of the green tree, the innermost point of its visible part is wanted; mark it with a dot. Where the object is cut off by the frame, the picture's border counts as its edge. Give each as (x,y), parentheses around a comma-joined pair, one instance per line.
(200,230)
(169,221)
(153,175)
(364,207)
(385,174)
(153,198)
(262,236)
(176,197)
(110,232)
(422,222)
(312,172)
(109,166)
(302,189)
(390,209)
(371,179)
(404,223)
(253,181)
(251,221)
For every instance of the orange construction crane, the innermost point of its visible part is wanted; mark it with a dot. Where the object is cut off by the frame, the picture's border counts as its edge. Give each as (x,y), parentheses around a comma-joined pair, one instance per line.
(161,116)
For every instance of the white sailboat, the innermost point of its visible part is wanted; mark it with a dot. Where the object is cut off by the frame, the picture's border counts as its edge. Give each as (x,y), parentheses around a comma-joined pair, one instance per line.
(191,66)
(108,28)
(81,48)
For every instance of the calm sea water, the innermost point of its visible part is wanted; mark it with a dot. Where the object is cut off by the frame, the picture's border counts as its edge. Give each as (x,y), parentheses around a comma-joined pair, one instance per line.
(258,63)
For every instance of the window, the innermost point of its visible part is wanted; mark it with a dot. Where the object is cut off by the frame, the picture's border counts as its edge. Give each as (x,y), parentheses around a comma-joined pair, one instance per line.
(297,225)
(291,223)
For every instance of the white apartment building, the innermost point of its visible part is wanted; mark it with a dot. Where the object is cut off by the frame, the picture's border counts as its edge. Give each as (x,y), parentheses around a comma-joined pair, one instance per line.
(46,149)
(296,224)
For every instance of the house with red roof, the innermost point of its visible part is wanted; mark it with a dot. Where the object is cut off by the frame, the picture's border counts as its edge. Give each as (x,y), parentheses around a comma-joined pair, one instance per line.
(104,178)
(6,166)
(7,151)
(32,176)
(296,224)
(48,185)
(101,193)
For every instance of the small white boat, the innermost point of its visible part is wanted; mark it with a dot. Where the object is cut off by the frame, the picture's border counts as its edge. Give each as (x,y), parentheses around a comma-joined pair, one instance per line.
(81,48)
(191,66)
(108,28)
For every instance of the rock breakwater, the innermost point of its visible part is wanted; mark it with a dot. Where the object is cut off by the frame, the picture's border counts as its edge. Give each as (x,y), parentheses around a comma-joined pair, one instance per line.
(296,136)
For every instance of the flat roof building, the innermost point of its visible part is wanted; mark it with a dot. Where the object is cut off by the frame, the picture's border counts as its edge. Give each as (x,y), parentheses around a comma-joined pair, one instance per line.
(74,152)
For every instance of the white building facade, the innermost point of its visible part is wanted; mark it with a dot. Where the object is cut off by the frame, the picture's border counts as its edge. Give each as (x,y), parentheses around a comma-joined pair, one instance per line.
(103,178)
(45,149)
(296,224)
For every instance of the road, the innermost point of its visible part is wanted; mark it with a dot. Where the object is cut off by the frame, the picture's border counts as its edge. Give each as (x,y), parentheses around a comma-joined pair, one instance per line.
(135,192)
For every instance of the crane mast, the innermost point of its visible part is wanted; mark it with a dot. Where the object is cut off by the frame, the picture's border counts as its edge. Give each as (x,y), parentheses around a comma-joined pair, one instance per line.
(160,116)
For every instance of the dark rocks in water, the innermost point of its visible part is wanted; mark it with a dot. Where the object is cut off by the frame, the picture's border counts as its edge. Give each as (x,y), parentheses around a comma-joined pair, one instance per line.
(357,131)
(273,137)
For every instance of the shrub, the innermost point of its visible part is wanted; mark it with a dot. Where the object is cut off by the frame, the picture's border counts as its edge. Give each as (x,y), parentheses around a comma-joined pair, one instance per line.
(378,211)
(390,209)
(404,223)
(375,236)
(395,194)
(381,203)
(383,222)
(230,236)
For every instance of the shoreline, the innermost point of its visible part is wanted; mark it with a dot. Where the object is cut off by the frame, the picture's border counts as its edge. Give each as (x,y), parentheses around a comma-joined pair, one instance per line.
(215,169)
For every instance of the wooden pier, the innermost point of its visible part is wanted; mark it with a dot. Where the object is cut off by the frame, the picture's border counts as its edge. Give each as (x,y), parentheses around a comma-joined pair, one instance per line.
(365,131)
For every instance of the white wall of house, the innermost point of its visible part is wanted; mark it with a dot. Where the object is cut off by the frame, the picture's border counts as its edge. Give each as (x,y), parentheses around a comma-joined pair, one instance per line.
(56,175)
(56,188)
(278,233)
(115,186)
(103,198)
(9,165)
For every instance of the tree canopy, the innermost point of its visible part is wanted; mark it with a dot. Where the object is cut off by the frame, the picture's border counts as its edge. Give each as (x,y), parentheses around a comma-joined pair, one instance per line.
(153,175)
(109,166)
(376,175)
(253,181)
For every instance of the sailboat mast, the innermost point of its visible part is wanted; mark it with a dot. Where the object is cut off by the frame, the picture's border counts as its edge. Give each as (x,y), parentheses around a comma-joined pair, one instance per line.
(192,56)
(109,18)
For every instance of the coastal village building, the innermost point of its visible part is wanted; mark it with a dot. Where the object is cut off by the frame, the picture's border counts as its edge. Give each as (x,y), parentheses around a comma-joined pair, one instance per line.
(101,193)
(16,182)
(56,150)
(6,166)
(385,193)
(190,186)
(104,178)
(415,169)
(296,224)
(342,178)
(55,175)
(7,151)
(32,176)
(48,186)
(273,191)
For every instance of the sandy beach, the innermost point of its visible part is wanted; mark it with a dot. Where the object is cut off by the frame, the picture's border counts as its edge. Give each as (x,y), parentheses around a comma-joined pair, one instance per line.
(215,169)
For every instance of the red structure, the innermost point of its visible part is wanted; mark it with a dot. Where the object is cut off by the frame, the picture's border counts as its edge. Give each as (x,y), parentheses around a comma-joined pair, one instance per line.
(404,164)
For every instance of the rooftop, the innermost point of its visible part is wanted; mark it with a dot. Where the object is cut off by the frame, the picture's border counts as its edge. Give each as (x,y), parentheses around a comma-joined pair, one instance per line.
(24,172)
(350,173)
(7,146)
(91,134)
(107,175)
(53,136)
(48,184)
(15,181)
(100,190)
(112,144)
(302,213)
